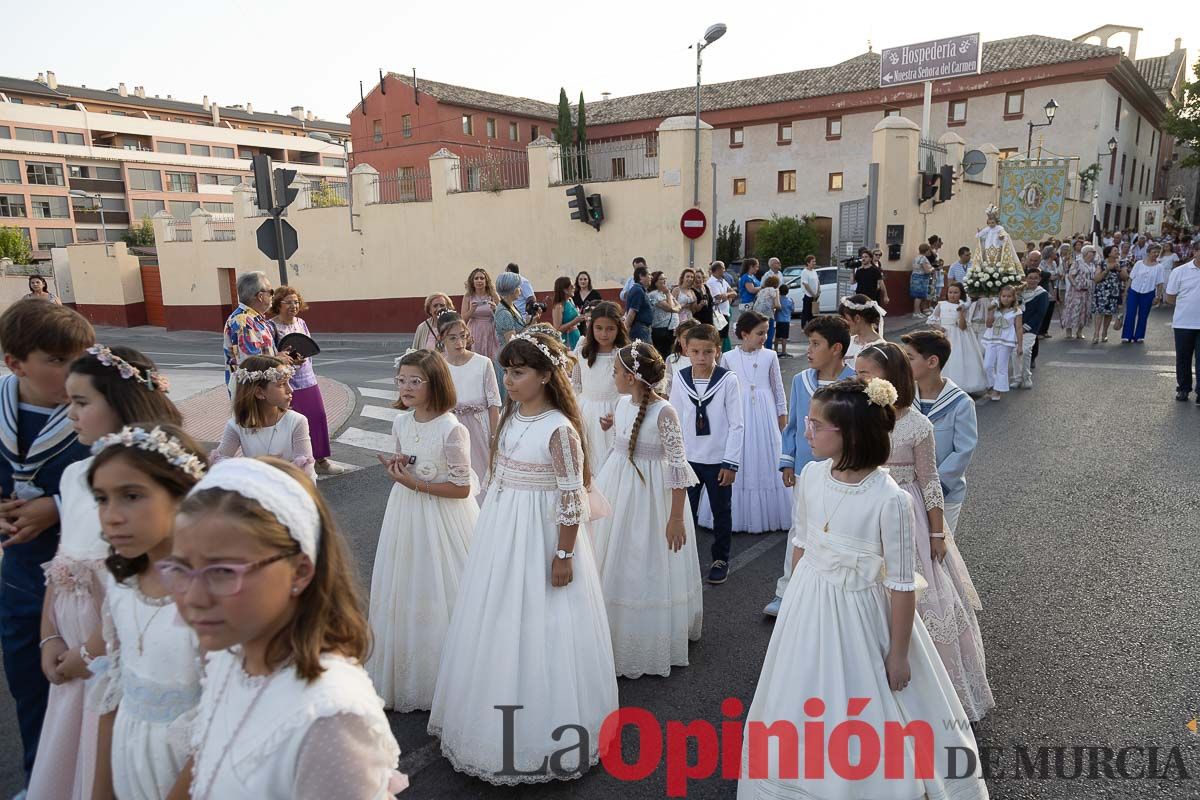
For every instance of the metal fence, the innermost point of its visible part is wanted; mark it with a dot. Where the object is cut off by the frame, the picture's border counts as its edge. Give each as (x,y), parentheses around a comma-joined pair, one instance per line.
(494,171)
(405,185)
(931,156)
(327,194)
(183,234)
(615,160)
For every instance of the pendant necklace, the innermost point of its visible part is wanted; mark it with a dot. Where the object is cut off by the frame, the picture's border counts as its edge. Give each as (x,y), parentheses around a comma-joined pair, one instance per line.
(829,517)
(504,447)
(142,630)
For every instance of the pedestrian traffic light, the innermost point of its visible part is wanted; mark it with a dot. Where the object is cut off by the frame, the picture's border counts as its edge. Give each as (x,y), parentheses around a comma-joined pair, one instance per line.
(261,166)
(929,185)
(946,183)
(285,194)
(595,207)
(578,203)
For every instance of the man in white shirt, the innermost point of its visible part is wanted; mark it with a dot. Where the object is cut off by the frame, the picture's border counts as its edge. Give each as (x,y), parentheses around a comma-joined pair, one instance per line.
(721,292)
(1166,263)
(1141,244)
(1183,292)
(526,287)
(810,282)
(773,268)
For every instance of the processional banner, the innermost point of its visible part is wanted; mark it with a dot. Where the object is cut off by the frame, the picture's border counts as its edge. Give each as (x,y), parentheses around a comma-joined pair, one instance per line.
(1032,195)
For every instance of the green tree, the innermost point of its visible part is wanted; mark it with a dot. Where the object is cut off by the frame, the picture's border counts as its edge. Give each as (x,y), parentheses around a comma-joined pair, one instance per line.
(564,134)
(1183,120)
(584,172)
(142,235)
(729,242)
(789,239)
(325,196)
(14,246)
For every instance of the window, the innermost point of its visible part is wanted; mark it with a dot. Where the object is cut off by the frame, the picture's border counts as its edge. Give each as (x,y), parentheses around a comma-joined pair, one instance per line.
(833,127)
(330,161)
(44,174)
(891,112)
(211,179)
(222,152)
(739,186)
(5,133)
(1014,103)
(617,168)
(1153,141)
(1112,167)
(122,114)
(175,148)
(182,209)
(787,180)
(181,181)
(147,208)
(12,205)
(201,150)
(34,135)
(514,131)
(534,133)
(17,101)
(783,133)
(1137,131)
(1133,175)
(835,182)
(70,138)
(957,112)
(112,203)
(1008,152)
(377,131)
(491,127)
(87,234)
(10,171)
(146,180)
(737,137)
(54,237)
(1107,214)
(468,124)
(1128,213)
(106,173)
(219,208)
(1117,124)
(1122,183)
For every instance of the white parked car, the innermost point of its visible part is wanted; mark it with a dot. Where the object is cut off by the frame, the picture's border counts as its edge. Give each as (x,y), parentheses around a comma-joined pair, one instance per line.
(828,301)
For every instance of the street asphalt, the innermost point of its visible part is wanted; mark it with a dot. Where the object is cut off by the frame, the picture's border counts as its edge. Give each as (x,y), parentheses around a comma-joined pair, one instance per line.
(1079,530)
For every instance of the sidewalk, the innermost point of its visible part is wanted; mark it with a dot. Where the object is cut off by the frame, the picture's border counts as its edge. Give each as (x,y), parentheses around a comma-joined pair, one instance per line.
(147,334)
(205,412)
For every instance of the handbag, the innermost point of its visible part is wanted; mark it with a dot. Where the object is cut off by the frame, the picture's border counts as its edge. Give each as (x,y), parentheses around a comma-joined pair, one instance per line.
(719,321)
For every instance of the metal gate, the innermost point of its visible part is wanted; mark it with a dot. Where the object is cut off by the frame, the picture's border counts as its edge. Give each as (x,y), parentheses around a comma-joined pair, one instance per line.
(852,228)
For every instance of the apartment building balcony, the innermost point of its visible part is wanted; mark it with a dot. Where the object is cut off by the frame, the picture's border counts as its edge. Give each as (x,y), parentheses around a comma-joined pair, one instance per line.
(101,185)
(93,217)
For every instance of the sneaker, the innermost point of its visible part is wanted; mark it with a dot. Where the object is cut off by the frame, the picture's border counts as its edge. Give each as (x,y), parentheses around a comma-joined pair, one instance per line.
(718,572)
(772,609)
(1182,396)
(328,467)
(1027,385)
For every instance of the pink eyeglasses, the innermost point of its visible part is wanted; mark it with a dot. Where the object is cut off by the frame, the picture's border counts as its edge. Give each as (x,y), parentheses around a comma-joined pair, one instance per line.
(222,580)
(812,427)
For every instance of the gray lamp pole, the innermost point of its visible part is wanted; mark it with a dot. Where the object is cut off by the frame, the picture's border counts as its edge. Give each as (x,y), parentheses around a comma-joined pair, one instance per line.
(321,136)
(1112,148)
(713,33)
(98,207)
(1049,108)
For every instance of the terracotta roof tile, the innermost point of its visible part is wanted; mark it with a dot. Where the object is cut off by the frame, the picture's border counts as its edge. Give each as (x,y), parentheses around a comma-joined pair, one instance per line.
(477,98)
(1161,71)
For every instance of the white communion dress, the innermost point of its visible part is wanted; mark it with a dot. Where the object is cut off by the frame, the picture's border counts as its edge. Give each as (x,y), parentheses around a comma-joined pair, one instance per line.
(597,391)
(287,439)
(653,595)
(152,679)
(514,638)
(279,737)
(830,642)
(965,366)
(422,551)
(477,390)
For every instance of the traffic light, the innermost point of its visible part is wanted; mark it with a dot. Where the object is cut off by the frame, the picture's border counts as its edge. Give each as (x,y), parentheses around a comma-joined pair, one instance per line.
(595,207)
(285,194)
(261,166)
(946,184)
(578,203)
(930,182)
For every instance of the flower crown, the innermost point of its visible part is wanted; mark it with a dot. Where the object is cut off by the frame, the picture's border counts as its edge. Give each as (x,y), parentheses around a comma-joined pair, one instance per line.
(881,392)
(636,369)
(846,302)
(274,374)
(154,441)
(153,381)
(561,361)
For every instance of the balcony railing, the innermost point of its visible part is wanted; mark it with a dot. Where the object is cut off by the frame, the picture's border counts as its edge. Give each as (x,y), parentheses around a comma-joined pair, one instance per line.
(405,186)
(616,160)
(494,171)
(98,185)
(110,217)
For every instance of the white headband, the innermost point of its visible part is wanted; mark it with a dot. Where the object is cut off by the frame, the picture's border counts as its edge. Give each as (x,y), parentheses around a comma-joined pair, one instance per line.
(274,490)
(848,303)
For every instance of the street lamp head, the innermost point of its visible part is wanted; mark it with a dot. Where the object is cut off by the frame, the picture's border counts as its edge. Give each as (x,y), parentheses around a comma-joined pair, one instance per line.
(1112,145)
(320,136)
(1051,108)
(714,32)
(78,193)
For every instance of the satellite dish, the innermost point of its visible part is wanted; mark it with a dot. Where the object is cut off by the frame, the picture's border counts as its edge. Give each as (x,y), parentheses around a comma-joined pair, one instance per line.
(973,162)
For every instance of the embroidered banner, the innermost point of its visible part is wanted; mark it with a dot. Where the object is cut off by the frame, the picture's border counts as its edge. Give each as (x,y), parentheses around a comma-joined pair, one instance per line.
(1031,197)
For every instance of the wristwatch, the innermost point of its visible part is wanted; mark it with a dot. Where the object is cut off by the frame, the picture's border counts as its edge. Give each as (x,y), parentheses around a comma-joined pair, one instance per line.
(563,555)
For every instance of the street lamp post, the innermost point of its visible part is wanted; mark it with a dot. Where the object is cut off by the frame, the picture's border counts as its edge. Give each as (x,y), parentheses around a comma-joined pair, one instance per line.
(321,136)
(1050,108)
(99,206)
(713,33)
(1112,148)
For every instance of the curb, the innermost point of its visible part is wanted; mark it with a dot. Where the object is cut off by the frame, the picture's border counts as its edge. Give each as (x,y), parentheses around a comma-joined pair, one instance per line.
(206,413)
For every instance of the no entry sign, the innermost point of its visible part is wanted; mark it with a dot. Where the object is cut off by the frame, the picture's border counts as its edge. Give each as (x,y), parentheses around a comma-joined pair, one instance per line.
(693,223)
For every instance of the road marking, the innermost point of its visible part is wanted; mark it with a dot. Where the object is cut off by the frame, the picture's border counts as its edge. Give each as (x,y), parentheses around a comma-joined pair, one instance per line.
(379,394)
(1161,368)
(368,440)
(385,413)
(1149,353)
(385,381)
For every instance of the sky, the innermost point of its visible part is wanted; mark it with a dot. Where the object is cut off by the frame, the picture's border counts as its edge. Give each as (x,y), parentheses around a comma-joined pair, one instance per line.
(313,53)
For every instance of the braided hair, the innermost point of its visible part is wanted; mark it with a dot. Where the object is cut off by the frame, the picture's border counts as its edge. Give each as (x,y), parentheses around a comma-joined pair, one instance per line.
(646,365)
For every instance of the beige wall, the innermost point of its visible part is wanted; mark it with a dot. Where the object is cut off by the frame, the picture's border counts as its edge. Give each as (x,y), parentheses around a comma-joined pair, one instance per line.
(14,287)
(408,250)
(99,278)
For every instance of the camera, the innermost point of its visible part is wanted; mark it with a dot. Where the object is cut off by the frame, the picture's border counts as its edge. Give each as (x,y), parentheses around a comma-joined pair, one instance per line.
(534,307)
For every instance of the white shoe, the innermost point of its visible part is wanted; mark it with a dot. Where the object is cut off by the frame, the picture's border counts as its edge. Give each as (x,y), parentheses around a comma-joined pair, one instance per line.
(329,468)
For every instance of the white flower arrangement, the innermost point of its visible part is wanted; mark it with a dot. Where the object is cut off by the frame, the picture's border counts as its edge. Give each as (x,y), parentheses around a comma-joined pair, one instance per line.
(273,375)
(881,392)
(155,441)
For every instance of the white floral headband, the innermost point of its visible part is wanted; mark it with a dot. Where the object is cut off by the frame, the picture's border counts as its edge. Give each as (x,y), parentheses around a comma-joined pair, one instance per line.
(636,369)
(561,361)
(848,303)
(150,379)
(154,441)
(881,392)
(274,374)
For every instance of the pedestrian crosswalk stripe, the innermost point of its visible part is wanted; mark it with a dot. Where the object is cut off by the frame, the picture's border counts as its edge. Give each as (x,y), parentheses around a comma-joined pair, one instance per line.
(386,381)
(1163,368)
(378,394)
(1147,353)
(385,413)
(368,440)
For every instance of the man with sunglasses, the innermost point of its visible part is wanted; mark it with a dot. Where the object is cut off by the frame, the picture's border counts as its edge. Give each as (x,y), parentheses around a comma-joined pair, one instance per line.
(869,277)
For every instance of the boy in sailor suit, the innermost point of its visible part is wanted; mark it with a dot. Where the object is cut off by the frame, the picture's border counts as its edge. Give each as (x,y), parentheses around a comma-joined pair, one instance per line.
(709,403)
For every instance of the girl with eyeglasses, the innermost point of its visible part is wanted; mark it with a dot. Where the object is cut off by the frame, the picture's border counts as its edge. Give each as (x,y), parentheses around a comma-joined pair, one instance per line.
(425,535)
(148,683)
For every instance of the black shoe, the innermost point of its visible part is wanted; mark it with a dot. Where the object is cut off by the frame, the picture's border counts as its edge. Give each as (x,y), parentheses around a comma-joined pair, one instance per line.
(1182,396)
(718,572)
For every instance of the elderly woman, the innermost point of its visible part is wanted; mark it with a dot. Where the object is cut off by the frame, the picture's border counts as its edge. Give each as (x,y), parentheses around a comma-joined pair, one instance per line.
(286,303)
(1077,297)
(509,319)
(1106,297)
(38,290)
(246,330)
(426,336)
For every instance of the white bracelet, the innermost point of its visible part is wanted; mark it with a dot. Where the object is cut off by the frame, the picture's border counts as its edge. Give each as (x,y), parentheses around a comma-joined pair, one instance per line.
(937,535)
(51,637)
